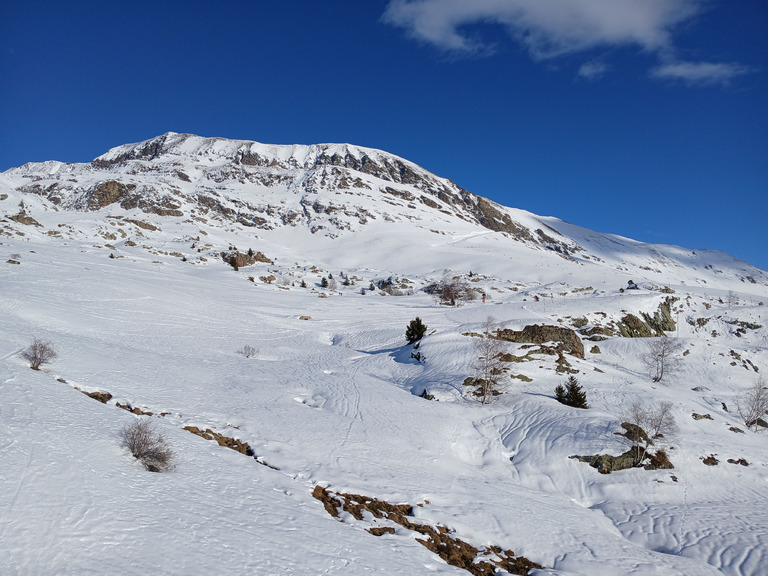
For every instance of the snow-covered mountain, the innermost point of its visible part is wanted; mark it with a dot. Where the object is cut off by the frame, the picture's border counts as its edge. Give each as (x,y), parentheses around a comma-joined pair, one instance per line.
(155,267)
(331,191)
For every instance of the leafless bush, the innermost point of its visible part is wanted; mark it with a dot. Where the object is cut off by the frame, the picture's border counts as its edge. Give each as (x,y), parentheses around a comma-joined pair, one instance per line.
(395,291)
(662,357)
(753,404)
(147,445)
(39,352)
(452,290)
(647,425)
(248,351)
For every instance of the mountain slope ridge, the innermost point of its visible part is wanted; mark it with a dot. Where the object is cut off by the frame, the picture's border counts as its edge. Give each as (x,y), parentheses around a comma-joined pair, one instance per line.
(332,190)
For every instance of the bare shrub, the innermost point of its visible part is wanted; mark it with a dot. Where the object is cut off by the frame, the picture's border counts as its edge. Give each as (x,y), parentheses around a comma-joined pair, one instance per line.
(452,290)
(147,445)
(647,425)
(662,357)
(395,291)
(39,352)
(248,351)
(488,368)
(752,405)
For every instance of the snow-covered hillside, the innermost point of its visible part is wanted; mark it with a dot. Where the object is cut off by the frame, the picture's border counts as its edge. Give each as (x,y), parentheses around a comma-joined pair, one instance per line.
(120,265)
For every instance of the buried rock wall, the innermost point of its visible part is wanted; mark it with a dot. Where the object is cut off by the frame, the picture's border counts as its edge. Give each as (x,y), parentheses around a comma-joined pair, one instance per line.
(440,539)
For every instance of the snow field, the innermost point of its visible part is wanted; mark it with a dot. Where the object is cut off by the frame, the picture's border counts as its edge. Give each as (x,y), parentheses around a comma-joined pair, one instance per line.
(334,400)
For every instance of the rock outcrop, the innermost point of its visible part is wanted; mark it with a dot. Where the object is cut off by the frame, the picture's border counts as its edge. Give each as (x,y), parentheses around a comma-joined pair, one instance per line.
(566,339)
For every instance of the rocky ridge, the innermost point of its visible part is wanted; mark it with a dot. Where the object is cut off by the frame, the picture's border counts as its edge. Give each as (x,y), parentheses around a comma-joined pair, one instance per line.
(198,185)
(268,186)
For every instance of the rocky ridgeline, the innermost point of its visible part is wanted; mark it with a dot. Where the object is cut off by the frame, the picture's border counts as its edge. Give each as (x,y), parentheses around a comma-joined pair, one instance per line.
(332,188)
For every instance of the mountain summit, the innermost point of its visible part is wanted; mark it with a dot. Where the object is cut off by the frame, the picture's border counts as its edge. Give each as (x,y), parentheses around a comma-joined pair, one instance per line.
(267,186)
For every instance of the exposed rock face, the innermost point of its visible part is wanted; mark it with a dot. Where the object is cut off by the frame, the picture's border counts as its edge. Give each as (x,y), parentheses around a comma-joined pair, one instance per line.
(148,150)
(234,180)
(606,463)
(23,218)
(568,341)
(238,259)
(108,193)
(633,327)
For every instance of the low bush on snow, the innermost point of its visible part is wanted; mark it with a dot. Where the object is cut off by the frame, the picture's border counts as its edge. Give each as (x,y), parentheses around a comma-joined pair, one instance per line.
(148,446)
(39,352)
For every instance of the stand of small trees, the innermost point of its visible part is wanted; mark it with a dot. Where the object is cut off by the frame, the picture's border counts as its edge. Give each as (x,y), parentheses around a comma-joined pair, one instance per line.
(329,282)
(488,368)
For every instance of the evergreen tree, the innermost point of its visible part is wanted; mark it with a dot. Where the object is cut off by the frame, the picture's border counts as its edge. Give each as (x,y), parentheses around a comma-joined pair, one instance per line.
(415,330)
(572,394)
(324,282)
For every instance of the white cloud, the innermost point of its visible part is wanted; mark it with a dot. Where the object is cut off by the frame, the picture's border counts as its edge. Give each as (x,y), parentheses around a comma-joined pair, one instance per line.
(700,73)
(593,70)
(552,28)
(547,28)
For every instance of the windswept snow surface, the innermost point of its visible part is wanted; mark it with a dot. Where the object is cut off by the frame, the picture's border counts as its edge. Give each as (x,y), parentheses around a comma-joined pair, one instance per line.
(333,395)
(334,400)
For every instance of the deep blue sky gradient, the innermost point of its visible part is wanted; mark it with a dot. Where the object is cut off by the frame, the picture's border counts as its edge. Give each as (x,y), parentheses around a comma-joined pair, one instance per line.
(651,159)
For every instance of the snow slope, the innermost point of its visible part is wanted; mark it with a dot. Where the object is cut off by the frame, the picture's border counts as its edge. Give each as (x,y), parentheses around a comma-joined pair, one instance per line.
(335,399)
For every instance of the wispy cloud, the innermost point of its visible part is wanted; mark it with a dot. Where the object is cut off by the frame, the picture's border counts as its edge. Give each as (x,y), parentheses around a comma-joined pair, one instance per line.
(593,70)
(700,73)
(551,28)
(547,28)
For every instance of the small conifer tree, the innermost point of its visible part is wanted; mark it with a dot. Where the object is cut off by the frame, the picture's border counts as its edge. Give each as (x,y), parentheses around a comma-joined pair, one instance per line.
(324,282)
(572,394)
(415,330)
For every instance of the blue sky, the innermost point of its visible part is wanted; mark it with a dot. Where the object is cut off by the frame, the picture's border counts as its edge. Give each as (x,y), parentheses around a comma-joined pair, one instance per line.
(647,119)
